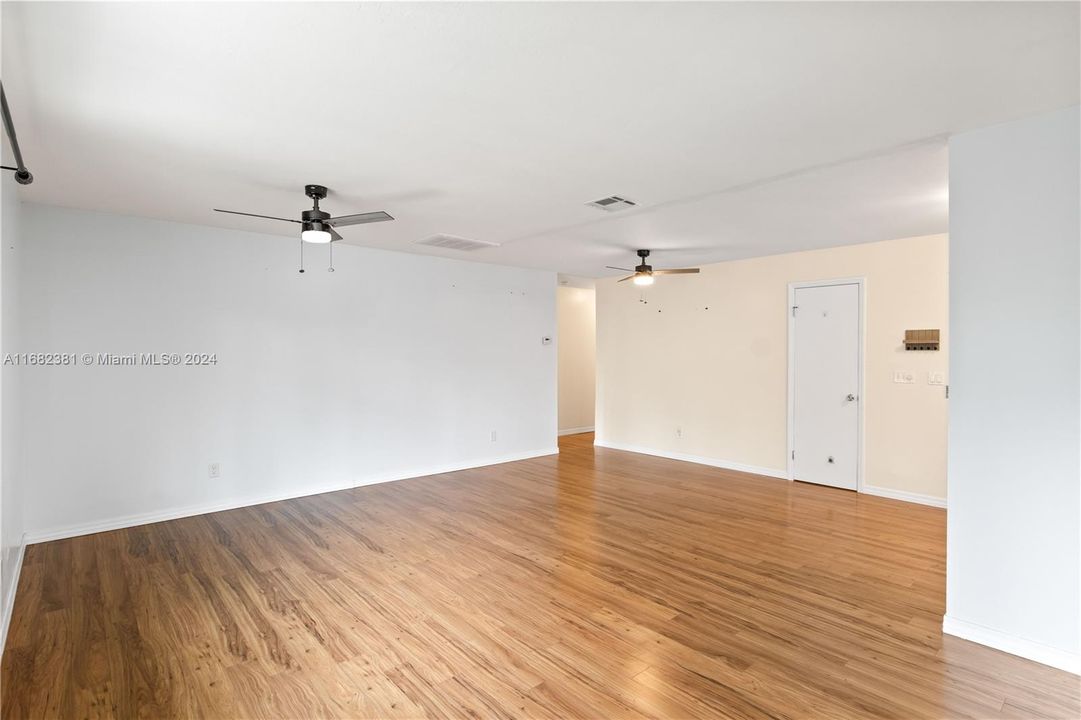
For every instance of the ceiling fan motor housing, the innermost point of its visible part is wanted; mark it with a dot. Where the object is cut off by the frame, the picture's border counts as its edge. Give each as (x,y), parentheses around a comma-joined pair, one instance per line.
(314,219)
(642,268)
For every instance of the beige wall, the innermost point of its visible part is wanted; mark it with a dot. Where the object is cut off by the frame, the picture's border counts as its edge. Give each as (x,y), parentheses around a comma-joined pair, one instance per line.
(720,374)
(576,317)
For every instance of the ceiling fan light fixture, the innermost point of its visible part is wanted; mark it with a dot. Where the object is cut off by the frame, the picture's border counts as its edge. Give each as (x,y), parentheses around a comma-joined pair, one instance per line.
(314,232)
(643,272)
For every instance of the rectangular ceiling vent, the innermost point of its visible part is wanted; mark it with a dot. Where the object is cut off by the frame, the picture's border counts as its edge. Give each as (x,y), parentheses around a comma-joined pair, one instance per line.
(612,203)
(453,242)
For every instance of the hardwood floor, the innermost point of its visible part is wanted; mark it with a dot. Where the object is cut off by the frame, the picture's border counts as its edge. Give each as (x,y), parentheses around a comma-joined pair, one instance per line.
(595,584)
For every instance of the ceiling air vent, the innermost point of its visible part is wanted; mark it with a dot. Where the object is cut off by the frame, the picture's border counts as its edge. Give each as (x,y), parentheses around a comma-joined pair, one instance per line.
(612,203)
(453,242)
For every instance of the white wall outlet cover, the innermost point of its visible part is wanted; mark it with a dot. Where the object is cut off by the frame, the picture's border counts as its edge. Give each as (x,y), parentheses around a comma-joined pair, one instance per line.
(214,470)
(936,378)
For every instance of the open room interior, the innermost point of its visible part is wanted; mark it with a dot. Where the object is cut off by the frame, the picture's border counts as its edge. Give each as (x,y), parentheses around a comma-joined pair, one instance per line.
(732,327)
(540,360)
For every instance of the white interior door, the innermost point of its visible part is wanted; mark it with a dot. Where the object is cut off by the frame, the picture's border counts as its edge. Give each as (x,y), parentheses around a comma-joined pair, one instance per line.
(826,384)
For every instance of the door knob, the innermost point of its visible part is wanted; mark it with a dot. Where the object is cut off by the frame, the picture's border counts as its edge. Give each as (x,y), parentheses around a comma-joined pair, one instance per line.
(850,397)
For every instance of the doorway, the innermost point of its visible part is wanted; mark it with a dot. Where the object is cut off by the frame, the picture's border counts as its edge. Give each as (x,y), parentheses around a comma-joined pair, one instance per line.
(825,382)
(576,323)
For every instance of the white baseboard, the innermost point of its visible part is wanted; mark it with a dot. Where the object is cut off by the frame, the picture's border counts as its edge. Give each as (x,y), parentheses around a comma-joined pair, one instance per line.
(905,496)
(453,467)
(575,431)
(9,599)
(1037,652)
(125,521)
(712,462)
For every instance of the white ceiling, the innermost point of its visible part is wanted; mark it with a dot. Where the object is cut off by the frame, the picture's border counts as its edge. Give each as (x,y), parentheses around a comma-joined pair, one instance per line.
(741,129)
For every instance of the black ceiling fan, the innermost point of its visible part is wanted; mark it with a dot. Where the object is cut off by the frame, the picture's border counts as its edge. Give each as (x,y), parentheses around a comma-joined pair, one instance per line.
(318,226)
(643,274)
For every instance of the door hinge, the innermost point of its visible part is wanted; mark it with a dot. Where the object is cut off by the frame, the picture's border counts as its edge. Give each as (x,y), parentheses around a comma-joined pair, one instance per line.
(794,308)
(793,454)
(947,392)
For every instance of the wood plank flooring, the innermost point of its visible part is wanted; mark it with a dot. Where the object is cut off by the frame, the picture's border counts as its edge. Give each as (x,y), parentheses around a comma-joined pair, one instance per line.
(593,584)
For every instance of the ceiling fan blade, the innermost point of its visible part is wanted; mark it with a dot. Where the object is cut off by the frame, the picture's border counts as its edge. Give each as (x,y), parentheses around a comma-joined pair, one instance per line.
(265,217)
(611,267)
(676,271)
(334,236)
(629,277)
(359,219)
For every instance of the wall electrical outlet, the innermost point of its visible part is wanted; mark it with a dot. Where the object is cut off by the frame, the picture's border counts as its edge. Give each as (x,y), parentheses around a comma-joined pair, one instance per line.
(679,432)
(214,470)
(493,436)
(936,378)
(904,377)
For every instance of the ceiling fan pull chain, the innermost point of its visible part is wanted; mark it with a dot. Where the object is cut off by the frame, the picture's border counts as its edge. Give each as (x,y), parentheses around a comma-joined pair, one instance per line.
(301,256)
(331,268)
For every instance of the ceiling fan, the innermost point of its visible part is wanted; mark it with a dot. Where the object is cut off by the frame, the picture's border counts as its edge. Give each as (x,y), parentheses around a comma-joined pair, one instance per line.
(316,225)
(643,274)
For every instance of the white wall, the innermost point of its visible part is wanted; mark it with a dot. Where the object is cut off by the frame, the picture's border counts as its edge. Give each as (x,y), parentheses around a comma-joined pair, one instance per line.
(395,365)
(708,354)
(577,319)
(1014,530)
(11,478)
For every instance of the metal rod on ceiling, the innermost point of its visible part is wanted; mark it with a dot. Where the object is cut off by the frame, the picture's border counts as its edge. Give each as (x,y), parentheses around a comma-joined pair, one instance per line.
(22,175)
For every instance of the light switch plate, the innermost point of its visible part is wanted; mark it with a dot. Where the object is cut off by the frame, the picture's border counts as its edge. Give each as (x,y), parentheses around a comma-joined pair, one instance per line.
(904,377)
(936,378)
